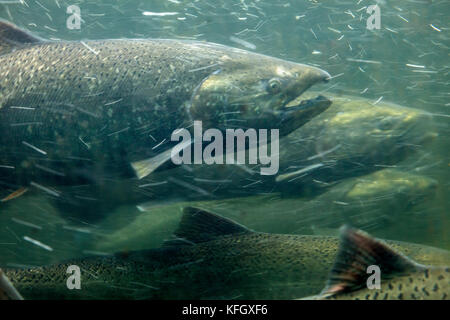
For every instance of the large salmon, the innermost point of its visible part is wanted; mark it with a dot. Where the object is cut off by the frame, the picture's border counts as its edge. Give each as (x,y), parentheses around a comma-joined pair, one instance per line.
(76,112)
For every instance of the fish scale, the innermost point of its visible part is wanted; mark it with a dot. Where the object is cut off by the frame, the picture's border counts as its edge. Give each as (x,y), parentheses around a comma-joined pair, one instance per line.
(428,284)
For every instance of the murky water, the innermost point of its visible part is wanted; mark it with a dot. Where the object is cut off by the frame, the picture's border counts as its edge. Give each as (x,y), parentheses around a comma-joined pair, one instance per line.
(361,164)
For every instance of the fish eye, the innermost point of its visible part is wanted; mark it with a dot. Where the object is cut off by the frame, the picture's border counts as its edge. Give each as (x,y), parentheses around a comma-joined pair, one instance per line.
(274,86)
(386,123)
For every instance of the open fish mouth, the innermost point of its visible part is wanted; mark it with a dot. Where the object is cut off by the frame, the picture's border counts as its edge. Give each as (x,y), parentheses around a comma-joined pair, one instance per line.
(297,104)
(298,112)
(313,106)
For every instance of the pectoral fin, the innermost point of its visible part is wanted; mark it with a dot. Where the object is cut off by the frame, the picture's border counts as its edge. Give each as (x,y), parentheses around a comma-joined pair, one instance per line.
(143,168)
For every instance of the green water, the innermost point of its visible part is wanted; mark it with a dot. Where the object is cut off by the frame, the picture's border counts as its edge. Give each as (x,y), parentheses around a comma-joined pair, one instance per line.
(405,62)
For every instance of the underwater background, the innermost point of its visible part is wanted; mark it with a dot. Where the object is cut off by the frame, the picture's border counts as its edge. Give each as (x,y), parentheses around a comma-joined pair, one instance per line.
(404,62)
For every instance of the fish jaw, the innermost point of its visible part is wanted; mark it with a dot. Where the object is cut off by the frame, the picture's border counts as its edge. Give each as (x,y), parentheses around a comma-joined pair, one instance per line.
(294,117)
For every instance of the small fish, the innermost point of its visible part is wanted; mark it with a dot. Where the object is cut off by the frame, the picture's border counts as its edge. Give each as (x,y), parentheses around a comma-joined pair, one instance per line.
(400,278)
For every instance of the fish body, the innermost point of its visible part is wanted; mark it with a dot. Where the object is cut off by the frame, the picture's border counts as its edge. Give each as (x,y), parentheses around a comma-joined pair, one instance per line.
(370,202)
(312,159)
(240,267)
(351,138)
(83,112)
(376,201)
(356,137)
(210,257)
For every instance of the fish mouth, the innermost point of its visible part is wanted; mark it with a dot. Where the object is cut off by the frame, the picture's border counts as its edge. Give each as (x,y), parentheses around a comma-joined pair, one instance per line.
(298,112)
(298,104)
(295,106)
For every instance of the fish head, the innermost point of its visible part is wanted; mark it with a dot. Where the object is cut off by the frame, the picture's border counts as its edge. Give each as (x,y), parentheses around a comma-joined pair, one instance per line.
(254,91)
(358,130)
(401,131)
(354,137)
(398,191)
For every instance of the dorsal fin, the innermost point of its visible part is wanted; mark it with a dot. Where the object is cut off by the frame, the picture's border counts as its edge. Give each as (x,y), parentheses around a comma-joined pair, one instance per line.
(198,225)
(11,37)
(358,251)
